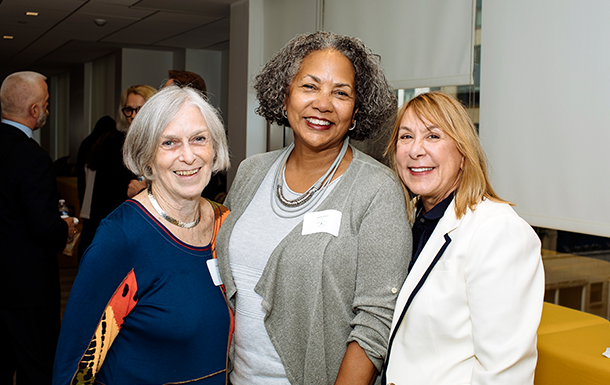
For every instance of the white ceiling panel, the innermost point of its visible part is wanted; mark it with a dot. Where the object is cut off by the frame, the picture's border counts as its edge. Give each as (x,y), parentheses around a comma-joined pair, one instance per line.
(42,5)
(102,9)
(158,27)
(44,21)
(220,8)
(202,37)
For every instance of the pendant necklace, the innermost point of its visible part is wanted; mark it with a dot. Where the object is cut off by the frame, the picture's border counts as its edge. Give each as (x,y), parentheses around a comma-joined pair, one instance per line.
(287,208)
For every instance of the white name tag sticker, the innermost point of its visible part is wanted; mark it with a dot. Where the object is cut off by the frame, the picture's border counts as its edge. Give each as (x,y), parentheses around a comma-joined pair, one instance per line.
(214,272)
(327,221)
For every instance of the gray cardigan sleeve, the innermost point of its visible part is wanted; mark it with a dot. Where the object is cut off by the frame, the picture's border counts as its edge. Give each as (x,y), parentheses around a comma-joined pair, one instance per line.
(384,251)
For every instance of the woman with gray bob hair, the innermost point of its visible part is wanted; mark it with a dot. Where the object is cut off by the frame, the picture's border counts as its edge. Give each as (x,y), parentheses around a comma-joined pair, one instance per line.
(148,286)
(143,138)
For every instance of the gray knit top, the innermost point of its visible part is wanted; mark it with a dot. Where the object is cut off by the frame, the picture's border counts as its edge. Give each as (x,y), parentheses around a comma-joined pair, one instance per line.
(321,292)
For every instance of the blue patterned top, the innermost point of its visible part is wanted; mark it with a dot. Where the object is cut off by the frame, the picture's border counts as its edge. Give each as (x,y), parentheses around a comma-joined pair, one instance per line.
(138,280)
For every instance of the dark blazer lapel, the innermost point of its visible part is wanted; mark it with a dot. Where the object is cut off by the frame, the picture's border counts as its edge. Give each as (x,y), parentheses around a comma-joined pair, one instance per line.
(434,248)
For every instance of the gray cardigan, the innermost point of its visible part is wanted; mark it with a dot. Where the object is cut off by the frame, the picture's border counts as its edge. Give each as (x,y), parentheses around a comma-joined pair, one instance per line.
(320,291)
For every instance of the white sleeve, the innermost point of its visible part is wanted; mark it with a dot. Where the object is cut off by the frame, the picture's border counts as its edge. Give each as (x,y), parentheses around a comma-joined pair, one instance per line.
(505,290)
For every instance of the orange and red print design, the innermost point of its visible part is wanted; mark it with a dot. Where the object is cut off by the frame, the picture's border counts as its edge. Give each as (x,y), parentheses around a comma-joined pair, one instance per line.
(122,302)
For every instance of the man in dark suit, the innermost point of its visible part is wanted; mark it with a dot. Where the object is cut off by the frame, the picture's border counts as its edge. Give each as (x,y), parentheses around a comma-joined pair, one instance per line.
(31,233)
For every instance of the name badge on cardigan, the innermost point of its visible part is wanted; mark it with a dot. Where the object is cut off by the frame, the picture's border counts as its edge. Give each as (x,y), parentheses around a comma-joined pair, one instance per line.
(327,221)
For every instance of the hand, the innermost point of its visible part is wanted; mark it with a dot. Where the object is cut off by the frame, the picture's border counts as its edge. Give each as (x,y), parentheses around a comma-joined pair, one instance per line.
(71,228)
(135,186)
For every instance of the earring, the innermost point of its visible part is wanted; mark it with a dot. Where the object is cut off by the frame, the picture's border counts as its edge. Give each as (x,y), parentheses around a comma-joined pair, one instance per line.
(353,125)
(285,113)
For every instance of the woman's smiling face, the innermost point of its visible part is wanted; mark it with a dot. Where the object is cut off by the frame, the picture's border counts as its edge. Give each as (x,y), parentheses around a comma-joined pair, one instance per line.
(135,102)
(321,100)
(185,156)
(427,160)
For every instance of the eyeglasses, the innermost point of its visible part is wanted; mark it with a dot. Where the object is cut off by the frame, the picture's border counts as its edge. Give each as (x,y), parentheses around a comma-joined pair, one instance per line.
(128,111)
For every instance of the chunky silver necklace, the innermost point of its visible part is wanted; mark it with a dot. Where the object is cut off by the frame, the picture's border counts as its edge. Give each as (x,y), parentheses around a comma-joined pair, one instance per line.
(288,208)
(155,204)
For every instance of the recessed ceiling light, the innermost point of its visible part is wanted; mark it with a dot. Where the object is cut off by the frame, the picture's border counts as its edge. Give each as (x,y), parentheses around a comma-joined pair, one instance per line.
(31,13)
(7,37)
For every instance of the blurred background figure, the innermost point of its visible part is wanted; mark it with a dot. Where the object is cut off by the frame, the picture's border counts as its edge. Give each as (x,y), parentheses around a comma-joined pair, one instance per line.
(187,78)
(145,308)
(31,233)
(103,126)
(86,177)
(105,159)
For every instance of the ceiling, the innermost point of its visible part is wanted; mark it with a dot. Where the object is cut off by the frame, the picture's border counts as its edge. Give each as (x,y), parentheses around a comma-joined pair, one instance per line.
(65,32)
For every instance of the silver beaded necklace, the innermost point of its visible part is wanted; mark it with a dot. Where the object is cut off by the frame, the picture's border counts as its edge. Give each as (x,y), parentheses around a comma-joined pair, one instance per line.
(287,208)
(159,210)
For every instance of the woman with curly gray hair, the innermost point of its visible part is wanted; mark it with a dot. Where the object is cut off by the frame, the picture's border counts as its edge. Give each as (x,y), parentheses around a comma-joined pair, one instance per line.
(314,250)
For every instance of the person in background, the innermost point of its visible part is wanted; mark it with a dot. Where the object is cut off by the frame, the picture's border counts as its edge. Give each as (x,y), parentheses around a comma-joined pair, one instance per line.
(86,177)
(31,234)
(216,189)
(132,100)
(145,307)
(112,178)
(103,125)
(187,78)
(318,242)
(470,307)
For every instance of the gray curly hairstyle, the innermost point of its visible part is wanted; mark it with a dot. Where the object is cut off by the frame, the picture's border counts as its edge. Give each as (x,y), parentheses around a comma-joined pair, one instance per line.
(375,100)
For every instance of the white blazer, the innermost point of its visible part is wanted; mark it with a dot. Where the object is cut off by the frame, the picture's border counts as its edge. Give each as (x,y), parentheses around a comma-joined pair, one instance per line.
(475,317)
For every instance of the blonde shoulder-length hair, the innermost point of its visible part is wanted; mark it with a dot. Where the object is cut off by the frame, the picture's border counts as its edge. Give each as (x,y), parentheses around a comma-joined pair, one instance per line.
(144,91)
(448,114)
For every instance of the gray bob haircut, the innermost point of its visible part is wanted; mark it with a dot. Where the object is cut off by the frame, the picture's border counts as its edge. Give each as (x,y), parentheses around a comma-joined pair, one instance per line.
(142,141)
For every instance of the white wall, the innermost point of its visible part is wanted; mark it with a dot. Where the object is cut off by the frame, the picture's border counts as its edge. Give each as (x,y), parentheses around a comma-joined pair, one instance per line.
(212,66)
(544,121)
(287,18)
(207,64)
(247,131)
(145,67)
(422,43)
(104,88)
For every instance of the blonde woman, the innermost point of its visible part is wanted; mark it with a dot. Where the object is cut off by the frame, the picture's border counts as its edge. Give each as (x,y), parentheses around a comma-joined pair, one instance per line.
(470,307)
